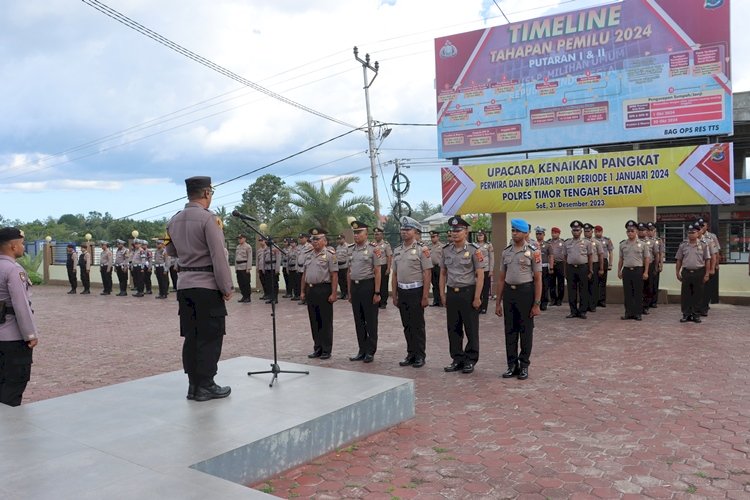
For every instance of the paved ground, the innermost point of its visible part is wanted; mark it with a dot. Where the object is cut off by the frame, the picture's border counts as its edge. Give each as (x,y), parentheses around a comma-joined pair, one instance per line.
(612,409)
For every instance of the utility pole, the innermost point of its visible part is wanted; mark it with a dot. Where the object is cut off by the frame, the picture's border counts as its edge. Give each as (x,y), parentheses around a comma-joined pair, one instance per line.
(371,139)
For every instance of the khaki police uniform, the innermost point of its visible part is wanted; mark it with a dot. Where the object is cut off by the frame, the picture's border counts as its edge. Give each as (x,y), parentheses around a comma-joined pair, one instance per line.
(70,265)
(710,288)
(84,264)
(649,295)
(384,252)
(557,270)
(197,239)
(138,263)
(545,250)
(318,279)
(436,256)
(342,257)
(634,255)
(519,268)
(303,255)
(412,271)
(597,257)
(488,253)
(160,269)
(122,263)
(692,269)
(106,262)
(243,267)
(271,268)
(607,246)
(294,274)
(363,266)
(578,258)
(17,327)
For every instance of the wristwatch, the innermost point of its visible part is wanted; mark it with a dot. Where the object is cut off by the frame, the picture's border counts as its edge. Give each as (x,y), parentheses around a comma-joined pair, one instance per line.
(538,302)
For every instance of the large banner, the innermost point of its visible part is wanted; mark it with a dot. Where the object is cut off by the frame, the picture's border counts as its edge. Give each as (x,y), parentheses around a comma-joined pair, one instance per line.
(691,175)
(630,71)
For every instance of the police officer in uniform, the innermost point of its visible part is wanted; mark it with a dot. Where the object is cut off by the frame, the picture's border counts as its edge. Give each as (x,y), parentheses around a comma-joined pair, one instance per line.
(243,266)
(138,260)
(597,256)
(148,266)
(364,292)
(105,267)
(436,255)
(319,283)
(342,256)
(489,255)
(285,269)
(608,247)
(304,251)
(160,269)
(18,333)
(174,266)
(579,268)
(412,272)
(714,248)
(70,264)
(632,269)
(122,262)
(205,284)
(692,268)
(84,263)
(271,267)
(545,250)
(384,252)
(462,272)
(556,268)
(291,259)
(519,297)
(648,284)
(658,261)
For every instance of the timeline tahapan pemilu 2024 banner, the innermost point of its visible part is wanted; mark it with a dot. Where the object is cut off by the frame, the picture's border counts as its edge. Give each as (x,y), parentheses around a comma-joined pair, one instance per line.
(690,175)
(622,72)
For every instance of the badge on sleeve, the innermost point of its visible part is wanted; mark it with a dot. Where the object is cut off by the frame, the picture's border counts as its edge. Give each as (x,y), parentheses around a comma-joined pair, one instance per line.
(479,255)
(538,257)
(377,252)
(426,251)
(23,276)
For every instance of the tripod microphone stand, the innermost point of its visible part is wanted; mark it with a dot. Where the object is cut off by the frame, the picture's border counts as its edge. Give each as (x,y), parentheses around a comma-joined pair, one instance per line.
(275,368)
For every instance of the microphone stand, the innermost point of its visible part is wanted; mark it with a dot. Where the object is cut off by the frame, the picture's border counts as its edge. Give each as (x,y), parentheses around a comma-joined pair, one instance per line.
(275,369)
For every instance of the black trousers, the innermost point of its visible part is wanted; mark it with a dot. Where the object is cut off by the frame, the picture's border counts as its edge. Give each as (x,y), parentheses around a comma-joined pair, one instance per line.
(72,278)
(517,303)
(691,291)
(603,284)
(106,278)
(655,287)
(147,272)
(85,278)
(412,319)
(162,280)
(173,274)
(243,281)
(320,312)
(578,293)
(632,289)
(343,284)
(287,283)
(384,277)
(593,288)
(545,286)
(485,295)
(462,320)
(436,285)
(365,315)
(202,324)
(138,278)
(295,277)
(15,371)
(648,287)
(557,282)
(122,278)
(272,282)
(709,288)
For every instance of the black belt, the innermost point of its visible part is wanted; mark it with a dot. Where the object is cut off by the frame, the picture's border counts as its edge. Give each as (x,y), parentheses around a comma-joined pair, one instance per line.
(240,262)
(365,280)
(319,284)
(634,268)
(204,269)
(577,265)
(10,310)
(458,289)
(694,270)
(520,285)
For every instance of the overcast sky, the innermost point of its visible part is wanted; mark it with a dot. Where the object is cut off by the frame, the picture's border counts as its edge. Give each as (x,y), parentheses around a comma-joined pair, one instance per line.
(98,117)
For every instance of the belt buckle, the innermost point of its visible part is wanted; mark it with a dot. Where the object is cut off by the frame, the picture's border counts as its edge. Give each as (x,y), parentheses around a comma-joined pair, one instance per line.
(513,287)
(455,290)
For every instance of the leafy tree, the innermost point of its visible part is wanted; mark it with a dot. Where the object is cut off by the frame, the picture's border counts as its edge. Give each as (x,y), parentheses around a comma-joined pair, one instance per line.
(266,199)
(326,209)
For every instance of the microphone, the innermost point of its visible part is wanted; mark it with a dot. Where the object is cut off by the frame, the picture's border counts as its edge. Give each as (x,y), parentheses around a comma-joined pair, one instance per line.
(242,216)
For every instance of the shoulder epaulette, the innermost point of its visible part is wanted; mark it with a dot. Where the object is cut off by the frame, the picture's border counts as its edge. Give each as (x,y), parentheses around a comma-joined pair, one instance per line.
(508,246)
(446,245)
(474,245)
(350,245)
(331,249)
(373,244)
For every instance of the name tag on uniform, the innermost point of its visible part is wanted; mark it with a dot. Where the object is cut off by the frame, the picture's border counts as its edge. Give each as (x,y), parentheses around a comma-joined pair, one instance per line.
(527,253)
(466,254)
(413,251)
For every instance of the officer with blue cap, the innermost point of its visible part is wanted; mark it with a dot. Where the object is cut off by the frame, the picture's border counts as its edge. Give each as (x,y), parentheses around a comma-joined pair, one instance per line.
(519,295)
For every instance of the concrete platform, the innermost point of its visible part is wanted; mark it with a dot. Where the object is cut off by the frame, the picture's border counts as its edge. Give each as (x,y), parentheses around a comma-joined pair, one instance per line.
(143,439)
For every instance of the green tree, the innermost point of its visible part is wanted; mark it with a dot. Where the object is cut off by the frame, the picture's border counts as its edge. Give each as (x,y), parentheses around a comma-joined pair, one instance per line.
(266,199)
(326,209)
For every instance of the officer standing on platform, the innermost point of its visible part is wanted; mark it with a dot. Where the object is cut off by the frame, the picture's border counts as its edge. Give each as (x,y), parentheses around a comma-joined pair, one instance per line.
(160,269)
(545,250)
(384,252)
(364,292)
(122,262)
(519,297)
(105,267)
(632,269)
(489,255)
(319,283)
(597,257)
(608,247)
(692,268)
(243,267)
(70,264)
(579,268)
(556,268)
(436,256)
(18,333)
(84,263)
(462,272)
(412,272)
(342,256)
(205,285)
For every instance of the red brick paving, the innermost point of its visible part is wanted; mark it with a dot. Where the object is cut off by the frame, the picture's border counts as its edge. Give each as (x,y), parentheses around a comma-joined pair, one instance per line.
(612,409)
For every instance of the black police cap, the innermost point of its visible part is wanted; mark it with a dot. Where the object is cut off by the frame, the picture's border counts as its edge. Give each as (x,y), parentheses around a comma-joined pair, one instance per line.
(10,234)
(198,182)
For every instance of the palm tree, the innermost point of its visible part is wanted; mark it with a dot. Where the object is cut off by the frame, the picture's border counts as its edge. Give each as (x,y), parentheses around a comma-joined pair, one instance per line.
(328,210)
